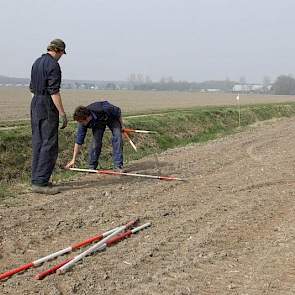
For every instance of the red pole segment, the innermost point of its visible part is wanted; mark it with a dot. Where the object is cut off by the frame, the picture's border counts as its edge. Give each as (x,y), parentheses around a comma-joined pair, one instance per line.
(108,243)
(16,270)
(110,172)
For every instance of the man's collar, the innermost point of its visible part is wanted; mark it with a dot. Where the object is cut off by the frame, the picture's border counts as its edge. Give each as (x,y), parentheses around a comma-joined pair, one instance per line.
(93,115)
(92,120)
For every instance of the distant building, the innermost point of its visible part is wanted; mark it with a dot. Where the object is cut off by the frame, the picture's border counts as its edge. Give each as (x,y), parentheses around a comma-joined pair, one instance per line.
(210,90)
(249,88)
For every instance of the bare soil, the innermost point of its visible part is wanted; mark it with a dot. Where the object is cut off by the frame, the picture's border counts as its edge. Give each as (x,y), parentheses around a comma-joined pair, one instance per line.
(229,230)
(16,101)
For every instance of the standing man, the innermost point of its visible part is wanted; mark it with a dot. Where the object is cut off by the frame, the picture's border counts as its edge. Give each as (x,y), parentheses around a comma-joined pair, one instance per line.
(97,116)
(46,107)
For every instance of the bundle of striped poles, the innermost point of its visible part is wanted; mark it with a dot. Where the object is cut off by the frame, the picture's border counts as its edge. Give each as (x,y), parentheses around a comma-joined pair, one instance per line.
(111,172)
(67,264)
(105,239)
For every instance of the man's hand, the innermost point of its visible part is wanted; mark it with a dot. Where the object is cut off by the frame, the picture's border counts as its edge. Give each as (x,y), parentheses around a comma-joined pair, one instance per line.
(64,121)
(70,164)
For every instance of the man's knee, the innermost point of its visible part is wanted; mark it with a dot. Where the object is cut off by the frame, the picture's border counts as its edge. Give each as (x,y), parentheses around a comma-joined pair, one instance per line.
(96,144)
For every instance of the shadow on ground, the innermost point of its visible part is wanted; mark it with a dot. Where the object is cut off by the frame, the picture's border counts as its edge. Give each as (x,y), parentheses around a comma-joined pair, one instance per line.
(143,167)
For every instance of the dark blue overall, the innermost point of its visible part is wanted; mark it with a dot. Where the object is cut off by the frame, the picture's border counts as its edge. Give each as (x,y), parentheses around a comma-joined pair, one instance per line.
(45,81)
(103,114)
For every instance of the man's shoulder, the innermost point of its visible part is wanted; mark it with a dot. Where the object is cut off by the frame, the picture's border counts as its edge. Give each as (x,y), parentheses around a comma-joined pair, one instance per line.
(81,126)
(53,62)
(47,59)
(45,56)
(97,105)
(38,59)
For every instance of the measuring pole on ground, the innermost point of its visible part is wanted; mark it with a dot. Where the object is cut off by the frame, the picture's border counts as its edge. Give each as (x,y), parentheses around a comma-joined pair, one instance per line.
(110,172)
(239,108)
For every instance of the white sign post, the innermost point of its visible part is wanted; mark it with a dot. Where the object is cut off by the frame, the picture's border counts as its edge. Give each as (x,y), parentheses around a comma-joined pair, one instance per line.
(239,108)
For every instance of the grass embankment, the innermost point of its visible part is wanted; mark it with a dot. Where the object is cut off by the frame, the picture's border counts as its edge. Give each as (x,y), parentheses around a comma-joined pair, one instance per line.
(175,128)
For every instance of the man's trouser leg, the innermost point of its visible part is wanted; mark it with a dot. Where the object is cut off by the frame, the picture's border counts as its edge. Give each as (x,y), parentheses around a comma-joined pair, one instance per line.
(117,143)
(44,149)
(95,147)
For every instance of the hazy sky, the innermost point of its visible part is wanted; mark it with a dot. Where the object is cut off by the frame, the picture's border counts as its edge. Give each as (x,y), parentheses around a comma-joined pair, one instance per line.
(192,40)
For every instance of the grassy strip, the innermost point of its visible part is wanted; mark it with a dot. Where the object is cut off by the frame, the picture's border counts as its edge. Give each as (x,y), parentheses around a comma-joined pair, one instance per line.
(175,128)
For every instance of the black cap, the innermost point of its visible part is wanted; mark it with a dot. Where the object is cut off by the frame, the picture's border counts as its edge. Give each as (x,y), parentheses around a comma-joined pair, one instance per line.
(57,44)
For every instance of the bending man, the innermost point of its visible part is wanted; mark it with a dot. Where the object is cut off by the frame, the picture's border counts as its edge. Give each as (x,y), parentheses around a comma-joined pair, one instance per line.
(97,116)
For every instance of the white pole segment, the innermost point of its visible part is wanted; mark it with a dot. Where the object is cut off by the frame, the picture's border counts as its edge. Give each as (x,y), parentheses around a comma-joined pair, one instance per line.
(135,230)
(143,131)
(51,256)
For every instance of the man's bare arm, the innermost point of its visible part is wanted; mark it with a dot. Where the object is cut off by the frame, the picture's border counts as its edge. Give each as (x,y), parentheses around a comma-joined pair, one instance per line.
(77,149)
(58,103)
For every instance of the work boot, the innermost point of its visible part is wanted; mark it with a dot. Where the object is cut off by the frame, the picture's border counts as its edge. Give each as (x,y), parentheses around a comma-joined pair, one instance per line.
(94,167)
(46,190)
(119,169)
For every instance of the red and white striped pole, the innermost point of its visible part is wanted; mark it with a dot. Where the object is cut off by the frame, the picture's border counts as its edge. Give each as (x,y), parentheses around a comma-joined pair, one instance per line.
(58,253)
(138,131)
(110,172)
(108,243)
(130,141)
(92,249)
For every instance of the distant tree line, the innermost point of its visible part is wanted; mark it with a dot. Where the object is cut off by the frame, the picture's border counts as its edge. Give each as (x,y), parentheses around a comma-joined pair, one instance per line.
(284,85)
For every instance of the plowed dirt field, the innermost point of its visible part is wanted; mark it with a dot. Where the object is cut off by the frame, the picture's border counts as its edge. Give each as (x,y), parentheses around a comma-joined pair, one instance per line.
(16,101)
(230,229)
